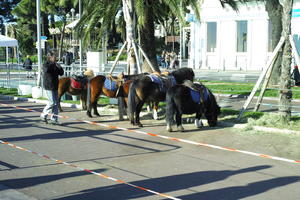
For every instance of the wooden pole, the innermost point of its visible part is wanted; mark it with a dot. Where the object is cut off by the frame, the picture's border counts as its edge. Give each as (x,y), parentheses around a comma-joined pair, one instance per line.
(137,57)
(264,86)
(261,77)
(117,58)
(297,58)
(146,57)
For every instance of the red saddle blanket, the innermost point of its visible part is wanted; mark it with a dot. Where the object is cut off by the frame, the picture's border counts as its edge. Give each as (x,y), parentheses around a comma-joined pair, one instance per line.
(76,84)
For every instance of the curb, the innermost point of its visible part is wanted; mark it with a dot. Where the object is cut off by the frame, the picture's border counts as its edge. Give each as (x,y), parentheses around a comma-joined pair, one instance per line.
(238,126)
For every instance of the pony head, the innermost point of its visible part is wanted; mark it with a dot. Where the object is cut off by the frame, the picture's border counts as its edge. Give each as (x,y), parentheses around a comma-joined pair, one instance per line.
(212,110)
(89,73)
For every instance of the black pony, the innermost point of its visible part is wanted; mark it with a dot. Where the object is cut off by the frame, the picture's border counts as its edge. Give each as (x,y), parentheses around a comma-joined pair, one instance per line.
(145,90)
(182,99)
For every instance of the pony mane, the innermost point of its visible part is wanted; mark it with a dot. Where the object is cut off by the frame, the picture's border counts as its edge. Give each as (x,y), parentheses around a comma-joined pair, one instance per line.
(182,74)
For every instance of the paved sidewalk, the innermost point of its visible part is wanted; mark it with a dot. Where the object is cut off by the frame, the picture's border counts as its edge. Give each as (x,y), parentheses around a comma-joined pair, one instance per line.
(11,194)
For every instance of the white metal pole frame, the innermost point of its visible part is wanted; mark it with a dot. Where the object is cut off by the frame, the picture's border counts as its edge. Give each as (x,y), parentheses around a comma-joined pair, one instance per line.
(294,50)
(7,64)
(117,58)
(180,40)
(73,37)
(6,48)
(80,41)
(38,24)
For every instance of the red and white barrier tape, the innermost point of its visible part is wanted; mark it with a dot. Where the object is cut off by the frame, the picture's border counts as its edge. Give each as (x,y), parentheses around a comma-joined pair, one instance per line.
(169,138)
(89,171)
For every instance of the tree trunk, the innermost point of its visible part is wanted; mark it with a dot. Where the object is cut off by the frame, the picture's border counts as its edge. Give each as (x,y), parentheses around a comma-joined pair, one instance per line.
(285,94)
(52,22)
(130,35)
(148,39)
(62,36)
(274,10)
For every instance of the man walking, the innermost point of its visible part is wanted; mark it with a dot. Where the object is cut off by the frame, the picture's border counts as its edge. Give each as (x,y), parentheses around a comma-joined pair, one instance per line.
(51,71)
(28,66)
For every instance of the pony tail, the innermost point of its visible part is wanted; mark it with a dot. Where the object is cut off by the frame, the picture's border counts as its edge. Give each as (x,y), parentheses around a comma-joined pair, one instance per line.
(170,107)
(131,101)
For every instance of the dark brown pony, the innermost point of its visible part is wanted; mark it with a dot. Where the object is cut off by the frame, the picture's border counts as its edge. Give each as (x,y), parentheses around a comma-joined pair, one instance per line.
(97,88)
(144,90)
(64,86)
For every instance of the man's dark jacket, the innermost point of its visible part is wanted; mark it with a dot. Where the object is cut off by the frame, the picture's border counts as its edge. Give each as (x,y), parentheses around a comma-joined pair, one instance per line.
(27,64)
(51,70)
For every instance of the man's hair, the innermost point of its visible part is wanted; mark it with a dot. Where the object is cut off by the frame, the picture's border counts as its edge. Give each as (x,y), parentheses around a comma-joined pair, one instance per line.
(50,54)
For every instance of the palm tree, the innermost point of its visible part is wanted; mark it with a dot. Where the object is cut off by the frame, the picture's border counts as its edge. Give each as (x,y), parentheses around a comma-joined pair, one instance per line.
(101,14)
(285,94)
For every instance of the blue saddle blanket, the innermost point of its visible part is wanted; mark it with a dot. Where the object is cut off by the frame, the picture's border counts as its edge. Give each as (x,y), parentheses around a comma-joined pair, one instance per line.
(196,95)
(158,80)
(110,85)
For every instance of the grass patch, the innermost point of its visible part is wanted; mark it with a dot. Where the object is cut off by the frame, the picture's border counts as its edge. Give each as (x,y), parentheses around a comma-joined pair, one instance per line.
(9,91)
(272,120)
(275,120)
(243,89)
(12,92)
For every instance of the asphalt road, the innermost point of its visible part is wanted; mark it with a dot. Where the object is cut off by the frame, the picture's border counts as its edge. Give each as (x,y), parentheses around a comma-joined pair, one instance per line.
(178,169)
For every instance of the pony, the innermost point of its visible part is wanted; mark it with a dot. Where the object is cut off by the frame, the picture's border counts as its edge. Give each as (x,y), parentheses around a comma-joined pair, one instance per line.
(117,87)
(75,87)
(146,90)
(195,98)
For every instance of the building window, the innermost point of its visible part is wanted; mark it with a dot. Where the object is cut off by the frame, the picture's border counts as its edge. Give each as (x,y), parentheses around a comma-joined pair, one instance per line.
(270,41)
(241,36)
(211,36)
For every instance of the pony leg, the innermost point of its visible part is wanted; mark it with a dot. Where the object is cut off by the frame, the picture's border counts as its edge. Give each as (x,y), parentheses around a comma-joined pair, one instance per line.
(155,109)
(179,122)
(137,114)
(83,100)
(58,102)
(89,109)
(149,107)
(169,127)
(198,121)
(95,108)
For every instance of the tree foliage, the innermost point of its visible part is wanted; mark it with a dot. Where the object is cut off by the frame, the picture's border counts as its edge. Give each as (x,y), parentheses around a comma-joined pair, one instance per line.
(6,6)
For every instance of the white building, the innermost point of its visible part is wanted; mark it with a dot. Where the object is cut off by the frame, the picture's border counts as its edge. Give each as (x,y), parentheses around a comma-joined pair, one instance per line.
(229,40)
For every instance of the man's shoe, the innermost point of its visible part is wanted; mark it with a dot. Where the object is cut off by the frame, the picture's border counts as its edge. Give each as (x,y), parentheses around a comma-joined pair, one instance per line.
(57,123)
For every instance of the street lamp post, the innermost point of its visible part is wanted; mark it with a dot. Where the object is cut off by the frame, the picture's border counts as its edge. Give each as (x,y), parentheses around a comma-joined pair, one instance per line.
(38,24)
(80,42)
(73,38)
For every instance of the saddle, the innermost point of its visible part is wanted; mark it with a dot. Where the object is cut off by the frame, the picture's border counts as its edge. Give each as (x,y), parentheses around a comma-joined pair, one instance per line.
(79,82)
(164,81)
(110,83)
(198,91)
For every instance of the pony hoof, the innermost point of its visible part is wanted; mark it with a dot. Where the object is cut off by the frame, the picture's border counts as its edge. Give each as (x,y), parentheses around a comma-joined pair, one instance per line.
(140,125)
(169,128)
(89,115)
(198,123)
(180,128)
